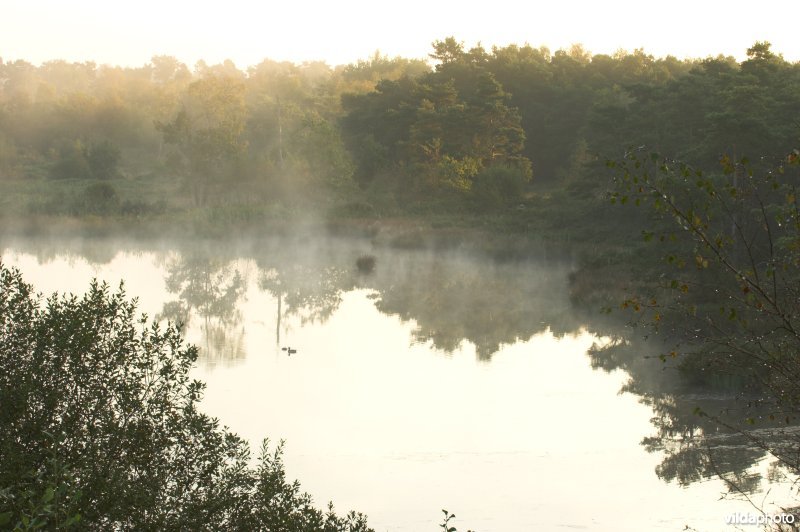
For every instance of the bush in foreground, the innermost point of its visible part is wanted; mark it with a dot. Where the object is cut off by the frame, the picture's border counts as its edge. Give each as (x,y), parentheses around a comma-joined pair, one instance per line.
(100,428)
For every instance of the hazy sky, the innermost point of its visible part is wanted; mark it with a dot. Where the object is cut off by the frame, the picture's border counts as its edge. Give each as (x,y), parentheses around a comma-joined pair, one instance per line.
(129,33)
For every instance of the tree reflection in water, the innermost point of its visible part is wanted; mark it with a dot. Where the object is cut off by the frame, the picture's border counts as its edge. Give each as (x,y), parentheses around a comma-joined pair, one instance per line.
(453,298)
(456,299)
(209,290)
(702,433)
(450,299)
(312,294)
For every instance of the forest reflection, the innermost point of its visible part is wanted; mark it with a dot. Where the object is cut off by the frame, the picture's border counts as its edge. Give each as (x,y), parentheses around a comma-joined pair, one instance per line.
(208,291)
(690,423)
(450,298)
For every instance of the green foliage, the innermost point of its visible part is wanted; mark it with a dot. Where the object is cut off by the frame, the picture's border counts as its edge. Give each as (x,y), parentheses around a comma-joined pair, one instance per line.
(103,160)
(730,295)
(208,133)
(525,102)
(72,163)
(499,186)
(9,157)
(403,131)
(319,146)
(446,125)
(365,74)
(42,499)
(98,198)
(455,173)
(102,428)
(75,161)
(679,116)
(445,524)
(447,51)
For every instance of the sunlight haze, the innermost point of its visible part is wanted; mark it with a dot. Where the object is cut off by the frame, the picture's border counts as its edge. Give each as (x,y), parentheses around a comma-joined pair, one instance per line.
(343,32)
(533,264)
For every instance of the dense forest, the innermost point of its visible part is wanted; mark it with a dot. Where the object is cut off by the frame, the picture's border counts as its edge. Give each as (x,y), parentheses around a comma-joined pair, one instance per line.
(481,128)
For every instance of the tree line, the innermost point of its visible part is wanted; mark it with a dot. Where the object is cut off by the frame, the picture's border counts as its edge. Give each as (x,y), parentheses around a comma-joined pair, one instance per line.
(469,121)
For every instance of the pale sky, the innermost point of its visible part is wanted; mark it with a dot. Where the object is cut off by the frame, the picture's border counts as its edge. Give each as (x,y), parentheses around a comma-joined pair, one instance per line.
(343,31)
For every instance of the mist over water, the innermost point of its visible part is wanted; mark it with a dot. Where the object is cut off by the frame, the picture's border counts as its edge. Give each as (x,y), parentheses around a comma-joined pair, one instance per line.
(438,379)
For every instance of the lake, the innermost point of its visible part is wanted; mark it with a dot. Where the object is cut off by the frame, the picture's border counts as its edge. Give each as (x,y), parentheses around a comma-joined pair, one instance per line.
(440,379)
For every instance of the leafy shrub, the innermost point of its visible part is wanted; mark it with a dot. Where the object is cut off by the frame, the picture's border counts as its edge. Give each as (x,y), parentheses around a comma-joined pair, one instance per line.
(99,411)
(76,161)
(71,163)
(457,173)
(497,186)
(103,159)
(97,198)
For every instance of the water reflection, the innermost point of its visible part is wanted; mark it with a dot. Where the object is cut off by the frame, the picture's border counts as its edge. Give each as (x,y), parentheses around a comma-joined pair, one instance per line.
(484,303)
(208,290)
(313,294)
(450,300)
(701,433)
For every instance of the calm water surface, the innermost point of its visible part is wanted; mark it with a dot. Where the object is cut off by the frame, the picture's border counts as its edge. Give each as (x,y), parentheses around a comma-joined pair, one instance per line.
(439,380)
